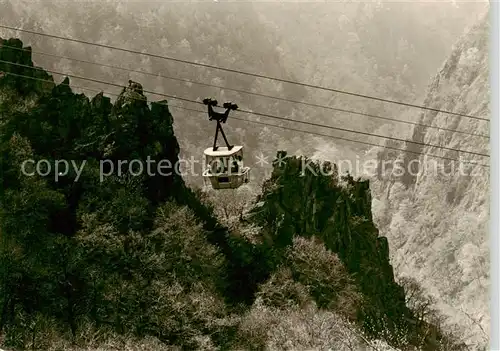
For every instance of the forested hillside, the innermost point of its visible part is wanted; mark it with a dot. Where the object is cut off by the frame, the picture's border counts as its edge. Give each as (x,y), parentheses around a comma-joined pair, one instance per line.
(142,262)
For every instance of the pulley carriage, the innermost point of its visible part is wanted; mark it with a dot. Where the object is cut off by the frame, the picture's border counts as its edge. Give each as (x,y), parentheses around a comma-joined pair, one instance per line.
(224,165)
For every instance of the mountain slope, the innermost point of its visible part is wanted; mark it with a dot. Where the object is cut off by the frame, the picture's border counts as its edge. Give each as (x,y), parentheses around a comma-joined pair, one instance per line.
(437,220)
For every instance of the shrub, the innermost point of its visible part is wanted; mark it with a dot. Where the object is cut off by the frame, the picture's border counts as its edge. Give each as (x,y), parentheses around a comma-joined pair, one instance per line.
(324,275)
(281,291)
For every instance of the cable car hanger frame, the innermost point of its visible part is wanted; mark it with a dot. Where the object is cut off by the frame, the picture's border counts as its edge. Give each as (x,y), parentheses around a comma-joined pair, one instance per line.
(219,117)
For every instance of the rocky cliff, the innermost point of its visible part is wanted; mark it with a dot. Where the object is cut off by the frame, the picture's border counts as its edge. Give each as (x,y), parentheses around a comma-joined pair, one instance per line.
(305,198)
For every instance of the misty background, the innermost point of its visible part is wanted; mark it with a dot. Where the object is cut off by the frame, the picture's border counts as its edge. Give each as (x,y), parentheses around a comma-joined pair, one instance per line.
(382,49)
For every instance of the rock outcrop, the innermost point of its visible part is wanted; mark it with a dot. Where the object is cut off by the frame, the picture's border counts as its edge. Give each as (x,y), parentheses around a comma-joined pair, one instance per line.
(305,198)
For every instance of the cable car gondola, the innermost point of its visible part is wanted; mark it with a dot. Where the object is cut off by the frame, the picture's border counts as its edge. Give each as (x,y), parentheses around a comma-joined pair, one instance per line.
(224,168)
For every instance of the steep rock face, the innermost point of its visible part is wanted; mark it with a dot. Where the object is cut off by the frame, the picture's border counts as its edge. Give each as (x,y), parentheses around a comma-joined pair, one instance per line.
(435,213)
(82,128)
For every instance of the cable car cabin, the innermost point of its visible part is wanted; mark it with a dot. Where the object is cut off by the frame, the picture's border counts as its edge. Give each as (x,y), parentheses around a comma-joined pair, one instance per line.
(224,164)
(225,168)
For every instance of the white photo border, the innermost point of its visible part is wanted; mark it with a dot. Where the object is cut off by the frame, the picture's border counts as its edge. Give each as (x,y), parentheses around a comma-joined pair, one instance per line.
(495,176)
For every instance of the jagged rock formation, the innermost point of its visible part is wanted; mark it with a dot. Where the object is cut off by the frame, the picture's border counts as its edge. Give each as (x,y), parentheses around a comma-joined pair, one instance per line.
(305,198)
(437,220)
(19,58)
